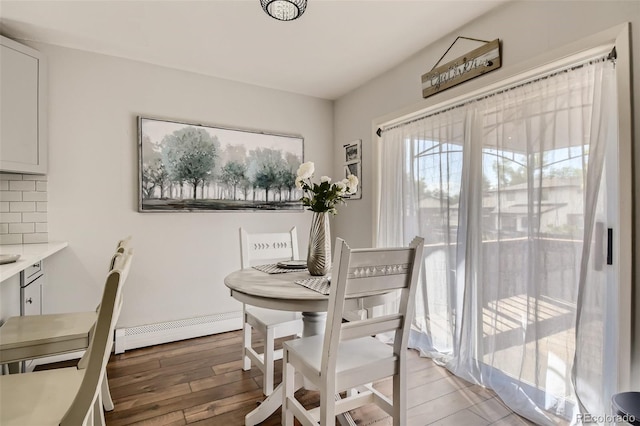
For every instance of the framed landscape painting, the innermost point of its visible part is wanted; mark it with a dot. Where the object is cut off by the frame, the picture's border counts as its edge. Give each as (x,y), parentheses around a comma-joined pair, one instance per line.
(192,167)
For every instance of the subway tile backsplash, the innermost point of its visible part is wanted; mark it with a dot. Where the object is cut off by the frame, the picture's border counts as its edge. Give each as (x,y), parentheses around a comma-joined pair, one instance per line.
(23,209)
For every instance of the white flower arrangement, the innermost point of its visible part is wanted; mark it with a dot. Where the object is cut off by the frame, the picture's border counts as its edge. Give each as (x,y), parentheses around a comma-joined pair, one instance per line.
(323,196)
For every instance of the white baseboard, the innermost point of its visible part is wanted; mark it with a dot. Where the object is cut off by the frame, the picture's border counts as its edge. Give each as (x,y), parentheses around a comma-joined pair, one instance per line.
(171,331)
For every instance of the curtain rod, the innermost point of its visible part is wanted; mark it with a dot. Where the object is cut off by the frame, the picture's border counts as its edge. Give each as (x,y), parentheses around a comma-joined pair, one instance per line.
(611,56)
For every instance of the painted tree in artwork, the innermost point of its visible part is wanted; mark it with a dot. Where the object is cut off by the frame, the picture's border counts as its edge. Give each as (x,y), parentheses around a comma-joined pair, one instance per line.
(265,168)
(190,155)
(288,177)
(233,173)
(154,173)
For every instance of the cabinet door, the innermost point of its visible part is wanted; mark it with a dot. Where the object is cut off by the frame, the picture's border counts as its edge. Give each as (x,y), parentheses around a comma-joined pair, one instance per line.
(22,121)
(33,298)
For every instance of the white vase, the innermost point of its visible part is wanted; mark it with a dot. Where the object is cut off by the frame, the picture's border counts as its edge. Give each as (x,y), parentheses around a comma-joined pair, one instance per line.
(319,254)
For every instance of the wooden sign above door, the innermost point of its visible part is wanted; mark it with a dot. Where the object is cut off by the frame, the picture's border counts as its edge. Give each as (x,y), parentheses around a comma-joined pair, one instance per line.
(472,64)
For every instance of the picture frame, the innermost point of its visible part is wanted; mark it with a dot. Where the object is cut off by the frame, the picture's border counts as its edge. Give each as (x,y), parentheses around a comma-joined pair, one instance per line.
(352,151)
(189,167)
(353,164)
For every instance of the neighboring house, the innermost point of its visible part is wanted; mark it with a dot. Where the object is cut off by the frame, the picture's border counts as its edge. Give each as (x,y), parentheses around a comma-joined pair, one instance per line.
(433,211)
(557,205)
(559,209)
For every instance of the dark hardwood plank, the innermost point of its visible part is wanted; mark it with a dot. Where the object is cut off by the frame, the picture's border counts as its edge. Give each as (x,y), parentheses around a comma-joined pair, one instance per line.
(123,388)
(175,418)
(140,367)
(223,406)
(147,411)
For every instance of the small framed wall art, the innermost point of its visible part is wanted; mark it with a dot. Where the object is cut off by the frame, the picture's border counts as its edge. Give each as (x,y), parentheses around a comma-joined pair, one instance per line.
(353,164)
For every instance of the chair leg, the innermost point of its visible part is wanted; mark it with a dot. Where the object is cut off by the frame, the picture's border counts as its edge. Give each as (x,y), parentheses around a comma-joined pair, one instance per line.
(327,406)
(288,381)
(267,358)
(98,413)
(246,342)
(399,400)
(107,401)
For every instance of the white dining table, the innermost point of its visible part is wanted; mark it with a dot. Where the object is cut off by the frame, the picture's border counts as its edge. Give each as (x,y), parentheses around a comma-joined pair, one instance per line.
(279,291)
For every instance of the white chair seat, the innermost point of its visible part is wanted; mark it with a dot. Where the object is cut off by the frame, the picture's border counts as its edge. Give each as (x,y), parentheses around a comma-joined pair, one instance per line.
(271,318)
(36,336)
(353,355)
(39,398)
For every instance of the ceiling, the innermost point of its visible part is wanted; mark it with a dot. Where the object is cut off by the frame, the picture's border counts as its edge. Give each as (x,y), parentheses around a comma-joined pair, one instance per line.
(336,46)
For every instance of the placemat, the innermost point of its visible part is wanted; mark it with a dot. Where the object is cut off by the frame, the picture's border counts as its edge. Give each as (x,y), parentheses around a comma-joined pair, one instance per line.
(320,284)
(273,268)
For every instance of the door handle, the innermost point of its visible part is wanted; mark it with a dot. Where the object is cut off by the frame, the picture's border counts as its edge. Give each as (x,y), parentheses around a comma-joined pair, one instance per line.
(603,248)
(609,246)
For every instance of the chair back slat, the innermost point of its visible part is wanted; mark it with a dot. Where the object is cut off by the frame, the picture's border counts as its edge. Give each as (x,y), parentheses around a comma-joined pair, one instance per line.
(99,348)
(378,270)
(266,247)
(367,271)
(384,283)
(369,327)
(377,257)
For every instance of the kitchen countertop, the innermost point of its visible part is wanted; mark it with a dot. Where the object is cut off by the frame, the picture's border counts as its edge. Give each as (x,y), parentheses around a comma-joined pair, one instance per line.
(29,254)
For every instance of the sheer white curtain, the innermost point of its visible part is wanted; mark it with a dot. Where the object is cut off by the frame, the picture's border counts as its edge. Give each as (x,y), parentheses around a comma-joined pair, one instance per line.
(506,191)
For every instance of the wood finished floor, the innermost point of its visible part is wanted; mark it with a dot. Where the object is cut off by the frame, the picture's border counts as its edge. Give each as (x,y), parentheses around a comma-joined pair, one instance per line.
(201,382)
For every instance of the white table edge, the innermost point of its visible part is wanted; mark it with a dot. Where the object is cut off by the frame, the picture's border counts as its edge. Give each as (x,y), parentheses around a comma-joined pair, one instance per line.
(293,305)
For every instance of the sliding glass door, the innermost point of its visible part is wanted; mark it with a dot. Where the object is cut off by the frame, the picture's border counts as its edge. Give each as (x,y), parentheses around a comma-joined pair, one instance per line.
(514,195)
(532,245)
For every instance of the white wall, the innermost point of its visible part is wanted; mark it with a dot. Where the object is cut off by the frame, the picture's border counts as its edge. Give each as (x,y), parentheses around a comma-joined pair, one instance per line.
(180,258)
(526,29)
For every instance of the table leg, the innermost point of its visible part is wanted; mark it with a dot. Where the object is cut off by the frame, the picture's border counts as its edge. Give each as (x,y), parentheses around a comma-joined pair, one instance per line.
(266,408)
(269,405)
(313,323)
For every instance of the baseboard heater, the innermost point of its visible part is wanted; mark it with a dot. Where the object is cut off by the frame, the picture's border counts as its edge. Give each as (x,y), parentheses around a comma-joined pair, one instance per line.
(172,331)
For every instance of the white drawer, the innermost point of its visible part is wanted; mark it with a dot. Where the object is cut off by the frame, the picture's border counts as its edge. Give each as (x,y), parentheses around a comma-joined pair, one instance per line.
(33,271)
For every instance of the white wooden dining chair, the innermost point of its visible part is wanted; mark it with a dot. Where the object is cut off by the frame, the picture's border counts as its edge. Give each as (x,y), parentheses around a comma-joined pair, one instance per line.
(68,396)
(30,337)
(270,324)
(347,357)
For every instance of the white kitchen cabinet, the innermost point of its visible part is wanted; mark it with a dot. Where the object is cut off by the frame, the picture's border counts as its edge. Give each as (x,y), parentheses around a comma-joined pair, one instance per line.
(23,115)
(31,281)
(33,298)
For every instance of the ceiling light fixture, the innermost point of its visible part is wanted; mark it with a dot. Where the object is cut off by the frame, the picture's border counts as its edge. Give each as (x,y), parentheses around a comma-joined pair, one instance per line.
(284,10)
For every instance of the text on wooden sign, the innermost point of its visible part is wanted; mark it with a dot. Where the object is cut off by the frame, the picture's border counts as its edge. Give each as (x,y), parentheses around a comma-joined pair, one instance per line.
(473,64)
